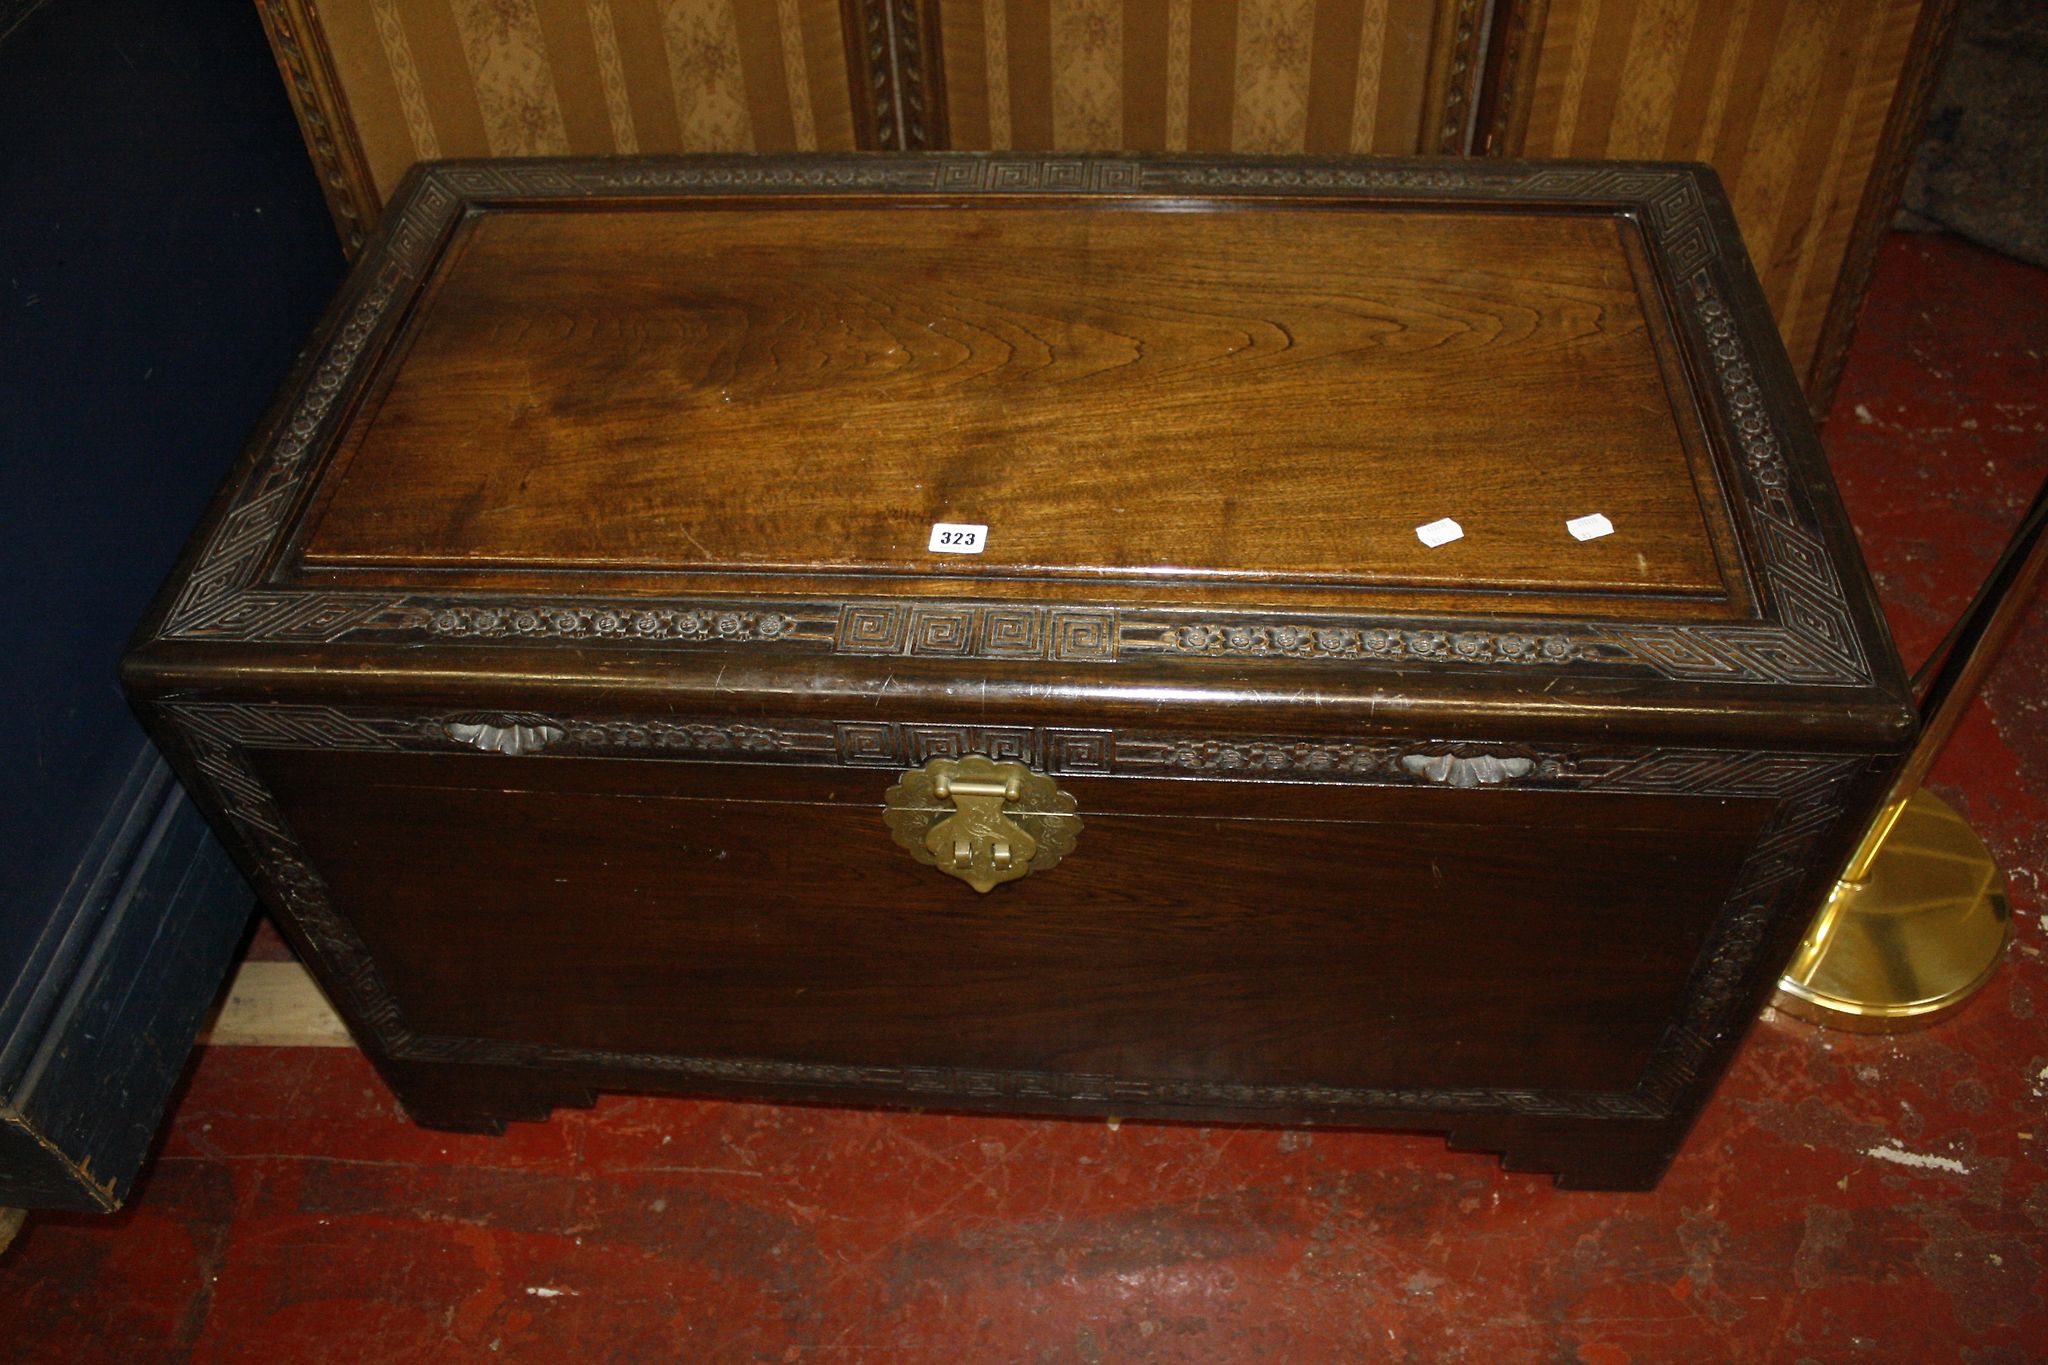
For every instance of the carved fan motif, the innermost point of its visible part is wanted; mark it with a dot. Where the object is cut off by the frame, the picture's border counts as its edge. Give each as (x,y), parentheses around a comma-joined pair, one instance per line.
(1478,770)
(505,736)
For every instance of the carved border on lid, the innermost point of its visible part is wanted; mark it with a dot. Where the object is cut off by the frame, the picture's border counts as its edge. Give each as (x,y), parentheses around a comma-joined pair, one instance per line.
(218,739)
(226,596)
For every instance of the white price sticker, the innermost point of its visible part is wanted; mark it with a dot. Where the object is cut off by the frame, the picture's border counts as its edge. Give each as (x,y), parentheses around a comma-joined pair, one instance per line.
(958,538)
(1442,531)
(1590,527)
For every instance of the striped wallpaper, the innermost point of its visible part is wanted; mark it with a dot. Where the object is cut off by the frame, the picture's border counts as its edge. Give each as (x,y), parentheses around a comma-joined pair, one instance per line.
(1786,98)
(428,78)
(1328,76)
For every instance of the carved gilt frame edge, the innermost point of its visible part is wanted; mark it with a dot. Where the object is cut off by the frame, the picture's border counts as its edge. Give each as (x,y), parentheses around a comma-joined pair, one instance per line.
(1451,89)
(1507,84)
(300,49)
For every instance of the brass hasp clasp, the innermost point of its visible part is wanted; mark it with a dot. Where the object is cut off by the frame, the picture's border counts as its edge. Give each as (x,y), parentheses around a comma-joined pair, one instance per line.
(981,820)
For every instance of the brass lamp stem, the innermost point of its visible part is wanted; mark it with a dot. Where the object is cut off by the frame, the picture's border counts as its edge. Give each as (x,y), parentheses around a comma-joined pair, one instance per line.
(1948,681)
(1858,870)
(1918,920)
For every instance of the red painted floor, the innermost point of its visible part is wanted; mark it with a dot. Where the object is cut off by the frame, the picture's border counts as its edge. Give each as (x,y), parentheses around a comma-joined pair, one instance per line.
(1844,1199)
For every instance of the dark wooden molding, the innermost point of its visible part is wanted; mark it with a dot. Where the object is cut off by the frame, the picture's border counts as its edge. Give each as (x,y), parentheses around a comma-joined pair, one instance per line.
(865,34)
(893,72)
(1896,146)
(302,59)
(1507,81)
(1091,751)
(924,73)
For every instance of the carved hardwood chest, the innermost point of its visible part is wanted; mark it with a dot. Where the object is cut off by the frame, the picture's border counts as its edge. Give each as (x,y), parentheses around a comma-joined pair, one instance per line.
(1356,642)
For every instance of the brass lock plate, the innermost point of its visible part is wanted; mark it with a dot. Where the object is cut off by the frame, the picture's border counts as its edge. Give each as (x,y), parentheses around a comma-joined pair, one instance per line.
(982,820)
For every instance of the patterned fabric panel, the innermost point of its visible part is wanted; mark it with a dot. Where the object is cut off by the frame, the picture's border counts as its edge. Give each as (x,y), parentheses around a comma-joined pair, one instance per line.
(431,78)
(1785,98)
(1324,76)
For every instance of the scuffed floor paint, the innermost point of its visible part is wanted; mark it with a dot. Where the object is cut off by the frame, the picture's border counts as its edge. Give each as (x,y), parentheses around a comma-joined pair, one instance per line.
(1919,1160)
(1844,1198)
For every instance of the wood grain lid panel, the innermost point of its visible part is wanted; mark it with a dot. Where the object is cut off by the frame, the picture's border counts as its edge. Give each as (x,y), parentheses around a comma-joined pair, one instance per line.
(1167,396)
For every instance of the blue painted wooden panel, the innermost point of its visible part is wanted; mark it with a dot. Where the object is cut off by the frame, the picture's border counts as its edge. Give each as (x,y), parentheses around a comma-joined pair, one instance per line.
(98,1022)
(163,250)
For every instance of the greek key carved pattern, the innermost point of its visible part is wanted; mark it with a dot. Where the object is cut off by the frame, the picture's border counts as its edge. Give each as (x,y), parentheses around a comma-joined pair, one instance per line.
(274,725)
(218,739)
(238,546)
(216,601)
(1720,987)
(1807,788)
(981,631)
(1055,750)
(1813,643)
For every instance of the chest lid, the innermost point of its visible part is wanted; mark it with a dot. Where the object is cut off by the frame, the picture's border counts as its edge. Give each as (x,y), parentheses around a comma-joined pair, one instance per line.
(1092,426)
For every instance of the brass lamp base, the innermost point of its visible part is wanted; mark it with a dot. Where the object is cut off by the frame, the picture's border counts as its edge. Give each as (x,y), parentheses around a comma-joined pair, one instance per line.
(1910,943)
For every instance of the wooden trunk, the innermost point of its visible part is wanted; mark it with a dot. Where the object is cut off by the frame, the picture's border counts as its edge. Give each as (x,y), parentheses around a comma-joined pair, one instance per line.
(553,652)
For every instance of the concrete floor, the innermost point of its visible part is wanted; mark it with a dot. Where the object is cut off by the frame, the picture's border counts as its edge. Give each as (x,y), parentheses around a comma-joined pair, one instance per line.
(1844,1199)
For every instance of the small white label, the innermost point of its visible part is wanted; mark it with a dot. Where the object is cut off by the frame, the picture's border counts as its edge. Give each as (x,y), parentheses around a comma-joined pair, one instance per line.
(1590,527)
(1442,531)
(957,538)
